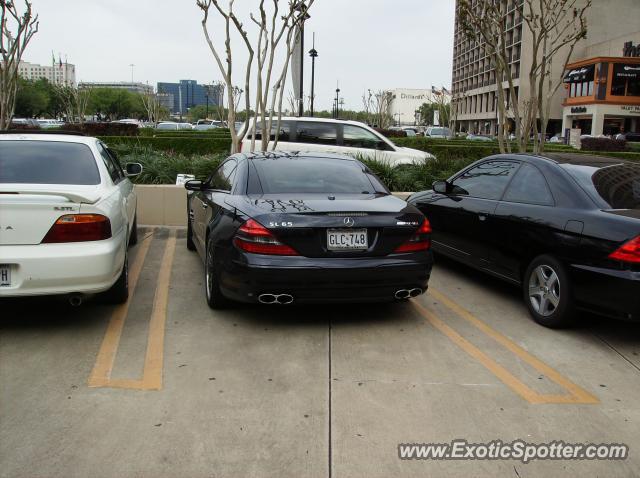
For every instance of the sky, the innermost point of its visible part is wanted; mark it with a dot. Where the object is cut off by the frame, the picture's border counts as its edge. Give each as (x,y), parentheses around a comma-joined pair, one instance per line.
(362,44)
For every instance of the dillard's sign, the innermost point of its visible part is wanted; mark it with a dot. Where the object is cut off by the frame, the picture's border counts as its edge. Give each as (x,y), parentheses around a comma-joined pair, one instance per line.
(630,50)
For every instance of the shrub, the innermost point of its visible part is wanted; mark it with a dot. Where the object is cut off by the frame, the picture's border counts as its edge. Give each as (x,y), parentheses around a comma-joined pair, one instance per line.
(179,145)
(391,133)
(103,129)
(603,144)
(163,167)
(185,132)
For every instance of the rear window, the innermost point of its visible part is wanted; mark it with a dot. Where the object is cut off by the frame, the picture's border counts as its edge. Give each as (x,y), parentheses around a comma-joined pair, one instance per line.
(314,175)
(47,162)
(613,187)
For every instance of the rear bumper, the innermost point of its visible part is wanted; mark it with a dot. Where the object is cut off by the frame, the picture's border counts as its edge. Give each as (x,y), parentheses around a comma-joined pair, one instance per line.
(610,292)
(311,280)
(49,269)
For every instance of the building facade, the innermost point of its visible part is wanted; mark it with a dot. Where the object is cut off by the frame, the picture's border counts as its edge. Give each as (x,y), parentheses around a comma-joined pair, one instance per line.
(58,73)
(135,87)
(610,24)
(405,104)
(188,93)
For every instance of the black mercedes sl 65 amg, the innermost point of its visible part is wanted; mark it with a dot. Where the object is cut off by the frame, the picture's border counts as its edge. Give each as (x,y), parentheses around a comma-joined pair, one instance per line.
(279,228)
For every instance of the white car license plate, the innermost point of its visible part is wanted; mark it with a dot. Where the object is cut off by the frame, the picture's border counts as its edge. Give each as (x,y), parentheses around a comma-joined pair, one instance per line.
(5,275)
(347,239)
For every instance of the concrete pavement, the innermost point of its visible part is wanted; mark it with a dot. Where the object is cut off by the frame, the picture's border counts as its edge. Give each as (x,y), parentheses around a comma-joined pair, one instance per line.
(166,387)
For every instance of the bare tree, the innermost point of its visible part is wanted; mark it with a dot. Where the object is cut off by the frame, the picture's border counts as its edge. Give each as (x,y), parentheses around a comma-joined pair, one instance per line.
(231,22)
(151,104)
(556,26)
(381,102)
(74,102)
(367,103)
(16,30)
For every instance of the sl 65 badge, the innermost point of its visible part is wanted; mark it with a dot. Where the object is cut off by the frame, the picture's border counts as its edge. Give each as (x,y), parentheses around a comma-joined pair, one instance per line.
(62,208)
(281,224)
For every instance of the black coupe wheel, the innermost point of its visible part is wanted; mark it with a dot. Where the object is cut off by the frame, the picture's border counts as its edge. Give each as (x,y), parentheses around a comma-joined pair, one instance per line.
(547,292)
(215,299)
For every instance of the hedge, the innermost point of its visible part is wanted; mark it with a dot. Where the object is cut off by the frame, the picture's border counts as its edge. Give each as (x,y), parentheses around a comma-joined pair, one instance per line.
(182,132)
(103,129)
(186,146)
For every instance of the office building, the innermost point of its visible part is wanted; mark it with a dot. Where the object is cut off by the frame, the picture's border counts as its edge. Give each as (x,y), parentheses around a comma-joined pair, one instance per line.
(611,24)
(188,93)
(58,73)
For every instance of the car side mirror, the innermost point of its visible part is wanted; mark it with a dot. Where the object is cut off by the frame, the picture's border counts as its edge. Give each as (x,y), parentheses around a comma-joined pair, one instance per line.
(133,169)
(194,185)
(441,187)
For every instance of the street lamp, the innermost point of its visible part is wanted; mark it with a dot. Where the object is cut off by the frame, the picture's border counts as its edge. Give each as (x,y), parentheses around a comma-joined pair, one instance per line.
(313,53)
(337,100)
(304,16)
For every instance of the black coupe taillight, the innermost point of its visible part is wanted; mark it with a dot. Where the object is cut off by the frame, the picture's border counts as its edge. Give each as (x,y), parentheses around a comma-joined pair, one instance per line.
(628,252)
(419,241)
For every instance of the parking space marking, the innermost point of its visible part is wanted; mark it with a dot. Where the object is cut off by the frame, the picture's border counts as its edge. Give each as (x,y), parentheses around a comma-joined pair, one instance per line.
(154,356)
(576,395)
(101,372)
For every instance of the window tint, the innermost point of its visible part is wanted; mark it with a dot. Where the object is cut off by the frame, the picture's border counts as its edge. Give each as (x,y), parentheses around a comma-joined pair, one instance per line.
(314,175)
(47,162)
(529,186)
(356,137)
(115,172)
(223,178)
(487,180)
(284,135)
(317,133)
(614,187)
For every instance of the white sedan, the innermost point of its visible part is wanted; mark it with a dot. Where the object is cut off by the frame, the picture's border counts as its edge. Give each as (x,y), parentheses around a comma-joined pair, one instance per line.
(68,214)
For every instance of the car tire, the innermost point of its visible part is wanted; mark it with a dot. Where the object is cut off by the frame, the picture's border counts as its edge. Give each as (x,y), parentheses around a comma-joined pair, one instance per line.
(119,292)
(190,244)
(214,296)
(547,292)
(133,237)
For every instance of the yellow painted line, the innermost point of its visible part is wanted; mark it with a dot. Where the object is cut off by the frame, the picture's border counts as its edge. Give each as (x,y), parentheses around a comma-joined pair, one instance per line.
(576,393)
(153,364)
(106,356)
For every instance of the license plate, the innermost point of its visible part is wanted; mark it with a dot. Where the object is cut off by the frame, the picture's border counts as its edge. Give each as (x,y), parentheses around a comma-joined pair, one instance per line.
(347,239)
(5,275)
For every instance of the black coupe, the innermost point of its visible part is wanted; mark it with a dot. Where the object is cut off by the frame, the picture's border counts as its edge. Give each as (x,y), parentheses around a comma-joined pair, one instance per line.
(278,228)
(566,227)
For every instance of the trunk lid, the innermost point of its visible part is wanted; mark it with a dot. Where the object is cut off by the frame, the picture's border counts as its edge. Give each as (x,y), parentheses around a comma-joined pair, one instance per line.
(304,222)
(27,212)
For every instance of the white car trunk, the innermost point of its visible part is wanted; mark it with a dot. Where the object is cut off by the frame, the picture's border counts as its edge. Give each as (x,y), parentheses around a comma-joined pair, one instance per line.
(27,212)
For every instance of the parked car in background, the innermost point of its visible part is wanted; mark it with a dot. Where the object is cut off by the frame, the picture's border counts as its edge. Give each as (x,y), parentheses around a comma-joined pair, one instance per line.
(278,228)
(341,137)
(167,126)
(136,122)
(438,132)
(205,127)
(68,216)
(556,139)
(49,123)
(25,122)
(565,227)
(632,137)
(478,137)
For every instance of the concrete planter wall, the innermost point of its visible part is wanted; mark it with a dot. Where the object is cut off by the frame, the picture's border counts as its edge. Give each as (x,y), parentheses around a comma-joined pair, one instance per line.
(166,204)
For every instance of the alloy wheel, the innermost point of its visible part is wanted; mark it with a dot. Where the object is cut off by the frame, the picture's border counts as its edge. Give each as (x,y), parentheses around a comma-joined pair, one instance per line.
(544,290)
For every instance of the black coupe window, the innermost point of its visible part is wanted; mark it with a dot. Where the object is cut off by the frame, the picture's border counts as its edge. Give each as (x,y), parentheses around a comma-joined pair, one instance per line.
(617,186)
(223,178)
(314,175)
(486,181)
(47,162)
(529,187)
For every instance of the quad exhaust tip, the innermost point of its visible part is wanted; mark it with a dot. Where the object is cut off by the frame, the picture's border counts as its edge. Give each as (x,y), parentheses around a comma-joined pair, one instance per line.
(402,294)
(281,299)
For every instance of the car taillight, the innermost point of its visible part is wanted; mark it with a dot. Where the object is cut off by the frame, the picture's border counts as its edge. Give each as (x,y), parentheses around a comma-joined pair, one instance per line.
(628,252)
(79,228)
(255,238)
(419,241)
